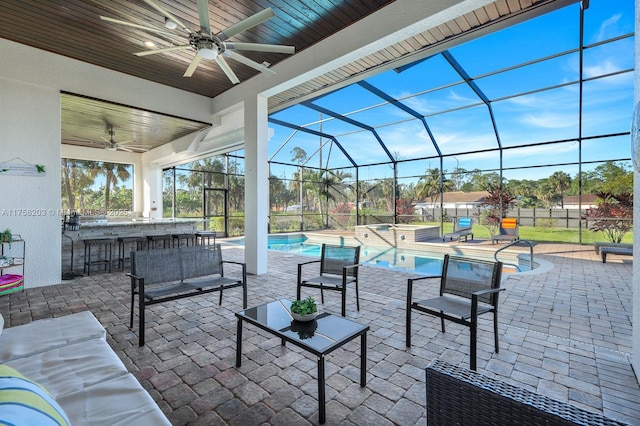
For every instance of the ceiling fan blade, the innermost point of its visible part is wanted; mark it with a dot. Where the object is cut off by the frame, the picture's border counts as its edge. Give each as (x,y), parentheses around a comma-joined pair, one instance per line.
(139,146)
(167,14)
(227,70)
(259,47)
(131,24)
(124,148)
(245,24)
(162,50)
(192,66)
(237,57)
(203,14)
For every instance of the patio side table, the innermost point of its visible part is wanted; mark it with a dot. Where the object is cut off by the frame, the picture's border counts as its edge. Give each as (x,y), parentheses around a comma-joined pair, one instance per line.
(320,337)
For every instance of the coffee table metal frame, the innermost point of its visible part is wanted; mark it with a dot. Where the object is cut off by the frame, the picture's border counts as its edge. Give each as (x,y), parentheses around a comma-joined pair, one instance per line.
(332,332)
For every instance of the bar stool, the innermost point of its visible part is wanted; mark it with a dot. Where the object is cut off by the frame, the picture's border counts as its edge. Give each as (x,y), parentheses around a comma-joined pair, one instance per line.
(137,241)
(185,236)
(201,236)
(103,244)
(153,241)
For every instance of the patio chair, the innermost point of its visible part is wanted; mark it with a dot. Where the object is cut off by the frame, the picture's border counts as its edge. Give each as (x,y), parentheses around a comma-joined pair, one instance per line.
(461,228)
(338,267)
(468,289)
(508,230)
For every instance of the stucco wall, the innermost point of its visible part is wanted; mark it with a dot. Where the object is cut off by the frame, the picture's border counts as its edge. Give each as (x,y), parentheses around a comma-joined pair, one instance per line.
(30,85)
(29,205)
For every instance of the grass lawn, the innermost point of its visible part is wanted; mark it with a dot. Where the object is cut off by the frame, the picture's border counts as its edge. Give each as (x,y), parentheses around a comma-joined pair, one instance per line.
(547,235)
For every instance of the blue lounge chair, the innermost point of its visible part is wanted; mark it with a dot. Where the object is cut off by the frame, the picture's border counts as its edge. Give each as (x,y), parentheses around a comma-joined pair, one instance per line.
(461,228)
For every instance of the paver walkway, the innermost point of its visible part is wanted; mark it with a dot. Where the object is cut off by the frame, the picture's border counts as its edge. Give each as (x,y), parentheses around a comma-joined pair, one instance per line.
(565,333)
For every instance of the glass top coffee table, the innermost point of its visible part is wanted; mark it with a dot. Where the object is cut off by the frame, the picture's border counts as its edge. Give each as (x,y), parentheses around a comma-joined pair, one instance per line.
(320,336)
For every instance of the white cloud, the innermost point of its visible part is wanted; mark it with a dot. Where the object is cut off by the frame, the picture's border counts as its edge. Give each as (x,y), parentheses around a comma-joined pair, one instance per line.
(549,120)
(607,28)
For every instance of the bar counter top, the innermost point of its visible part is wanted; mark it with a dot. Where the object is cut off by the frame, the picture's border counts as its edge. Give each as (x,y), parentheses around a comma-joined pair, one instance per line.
(99,223)
(99,227)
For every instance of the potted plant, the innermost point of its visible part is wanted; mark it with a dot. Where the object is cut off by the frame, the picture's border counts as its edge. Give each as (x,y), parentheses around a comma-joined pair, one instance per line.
(304,310)
(6,236)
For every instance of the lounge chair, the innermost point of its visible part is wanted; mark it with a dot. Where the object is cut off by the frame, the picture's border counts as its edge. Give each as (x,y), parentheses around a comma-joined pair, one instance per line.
(468,289)
(620,251)
(508,230)
(338,267)
(600,245)
(461,228)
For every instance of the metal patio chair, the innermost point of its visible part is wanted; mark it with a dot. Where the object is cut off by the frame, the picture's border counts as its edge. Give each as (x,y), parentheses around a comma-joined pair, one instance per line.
(468,289)
(338,267)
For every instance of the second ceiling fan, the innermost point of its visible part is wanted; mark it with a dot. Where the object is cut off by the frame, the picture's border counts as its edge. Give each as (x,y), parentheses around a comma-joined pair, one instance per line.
(212,46)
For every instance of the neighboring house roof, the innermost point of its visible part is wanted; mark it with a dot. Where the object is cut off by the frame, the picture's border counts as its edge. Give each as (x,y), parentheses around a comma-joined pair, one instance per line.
(587,199)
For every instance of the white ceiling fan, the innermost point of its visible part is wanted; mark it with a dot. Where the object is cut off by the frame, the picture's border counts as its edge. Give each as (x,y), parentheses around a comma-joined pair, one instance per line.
(111,144)
(212,46)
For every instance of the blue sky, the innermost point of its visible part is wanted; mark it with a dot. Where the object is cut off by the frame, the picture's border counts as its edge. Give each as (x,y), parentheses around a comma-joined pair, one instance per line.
(460,122)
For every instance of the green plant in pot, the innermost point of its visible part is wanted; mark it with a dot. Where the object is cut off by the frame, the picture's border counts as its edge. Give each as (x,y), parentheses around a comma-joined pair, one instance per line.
(304,310)
(6,236)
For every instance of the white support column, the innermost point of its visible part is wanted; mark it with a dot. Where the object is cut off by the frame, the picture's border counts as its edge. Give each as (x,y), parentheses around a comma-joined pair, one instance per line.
(636,206)
(256,204)
(152,191)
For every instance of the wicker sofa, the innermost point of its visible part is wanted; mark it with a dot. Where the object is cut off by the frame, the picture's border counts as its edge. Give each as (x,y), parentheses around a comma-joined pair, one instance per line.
(457,396)
(70,357)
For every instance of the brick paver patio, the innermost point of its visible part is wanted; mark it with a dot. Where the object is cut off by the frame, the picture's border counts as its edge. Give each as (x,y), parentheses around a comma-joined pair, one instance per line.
(564,332)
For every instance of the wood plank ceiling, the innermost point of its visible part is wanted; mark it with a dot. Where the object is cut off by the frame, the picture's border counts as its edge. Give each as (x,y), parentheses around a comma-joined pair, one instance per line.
(73,28)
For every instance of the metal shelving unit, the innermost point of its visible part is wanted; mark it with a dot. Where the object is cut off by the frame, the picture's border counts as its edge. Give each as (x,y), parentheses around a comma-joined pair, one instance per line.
(12,258)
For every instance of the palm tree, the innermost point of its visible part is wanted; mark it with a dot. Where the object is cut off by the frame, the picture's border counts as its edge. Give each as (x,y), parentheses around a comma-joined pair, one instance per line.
(432,184)
(114,173)
(560,181)
(76,178)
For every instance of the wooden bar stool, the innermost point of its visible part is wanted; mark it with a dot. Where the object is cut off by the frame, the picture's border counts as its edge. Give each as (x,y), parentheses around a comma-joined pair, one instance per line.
(134,242)
(201,236)
(103,245)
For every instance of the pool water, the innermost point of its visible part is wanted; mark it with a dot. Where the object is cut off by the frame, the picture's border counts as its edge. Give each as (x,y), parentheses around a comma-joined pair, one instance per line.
(389,258)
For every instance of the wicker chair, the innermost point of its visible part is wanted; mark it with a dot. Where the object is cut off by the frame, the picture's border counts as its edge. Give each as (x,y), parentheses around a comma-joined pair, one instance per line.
(468,288)
(457,396)
(338,267)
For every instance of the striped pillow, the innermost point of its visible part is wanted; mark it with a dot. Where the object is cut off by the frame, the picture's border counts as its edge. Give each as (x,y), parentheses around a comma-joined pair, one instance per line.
(24,402)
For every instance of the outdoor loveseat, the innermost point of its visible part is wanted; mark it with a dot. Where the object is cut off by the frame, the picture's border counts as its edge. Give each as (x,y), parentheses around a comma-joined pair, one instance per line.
(60,371)
(168,274)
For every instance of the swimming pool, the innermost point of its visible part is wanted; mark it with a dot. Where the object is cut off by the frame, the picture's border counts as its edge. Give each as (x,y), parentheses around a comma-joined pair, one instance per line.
(383,257)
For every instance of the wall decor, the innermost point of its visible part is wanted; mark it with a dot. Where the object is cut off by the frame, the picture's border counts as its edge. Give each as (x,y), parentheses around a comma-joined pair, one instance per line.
(17,166)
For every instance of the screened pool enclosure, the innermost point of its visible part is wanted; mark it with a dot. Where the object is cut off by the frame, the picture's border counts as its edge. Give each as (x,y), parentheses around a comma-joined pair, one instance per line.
(540,110)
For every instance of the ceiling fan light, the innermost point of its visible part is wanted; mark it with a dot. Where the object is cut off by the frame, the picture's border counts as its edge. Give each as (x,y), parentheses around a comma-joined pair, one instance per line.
(208,53)
(170,24)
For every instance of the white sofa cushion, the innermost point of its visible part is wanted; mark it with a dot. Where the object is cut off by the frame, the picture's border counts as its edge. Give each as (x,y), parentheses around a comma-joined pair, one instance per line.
(43,335)
(119,401)
(71,368)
